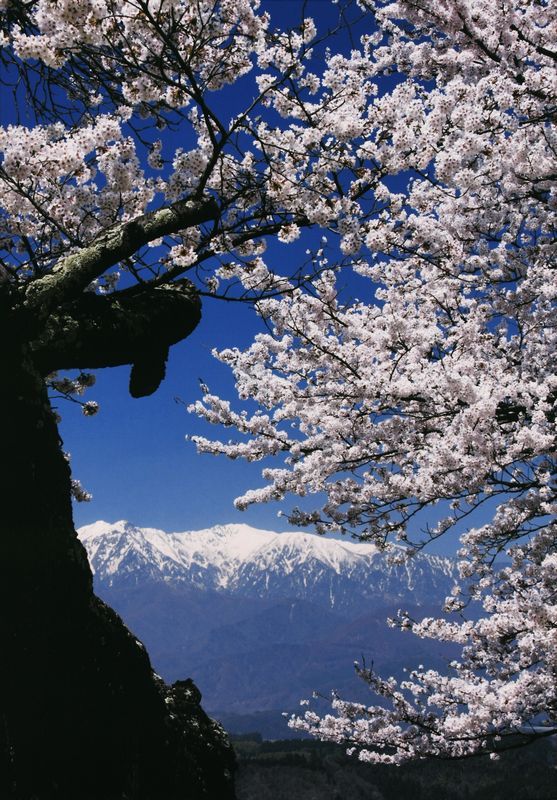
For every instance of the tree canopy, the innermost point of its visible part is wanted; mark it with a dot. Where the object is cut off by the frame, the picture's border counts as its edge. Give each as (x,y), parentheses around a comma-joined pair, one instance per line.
(435,393)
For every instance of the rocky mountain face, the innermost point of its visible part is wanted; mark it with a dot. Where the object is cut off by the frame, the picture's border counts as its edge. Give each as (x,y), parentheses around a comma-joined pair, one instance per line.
(261,619)
(246,562)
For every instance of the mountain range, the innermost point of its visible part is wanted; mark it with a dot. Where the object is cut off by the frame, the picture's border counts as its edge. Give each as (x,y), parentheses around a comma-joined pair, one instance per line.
(261,619)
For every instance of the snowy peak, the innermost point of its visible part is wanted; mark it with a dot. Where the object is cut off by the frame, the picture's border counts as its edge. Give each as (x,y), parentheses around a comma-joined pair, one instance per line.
(120,549)
(250,562)
(108,544)
(289,550)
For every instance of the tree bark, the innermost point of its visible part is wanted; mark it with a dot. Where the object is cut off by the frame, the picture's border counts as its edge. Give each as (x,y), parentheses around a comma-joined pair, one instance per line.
(82,715)
(123,328)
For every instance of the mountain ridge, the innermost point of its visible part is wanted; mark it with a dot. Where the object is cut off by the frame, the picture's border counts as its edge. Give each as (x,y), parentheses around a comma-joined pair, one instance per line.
(260,619)
(255,562)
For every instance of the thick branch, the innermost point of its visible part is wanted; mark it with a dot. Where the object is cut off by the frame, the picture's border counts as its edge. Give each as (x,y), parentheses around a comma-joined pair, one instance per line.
(94,332)
(75,272)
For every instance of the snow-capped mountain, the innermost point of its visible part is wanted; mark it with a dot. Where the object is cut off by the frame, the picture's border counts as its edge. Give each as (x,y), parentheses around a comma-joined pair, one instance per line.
(241,560)
(261,619)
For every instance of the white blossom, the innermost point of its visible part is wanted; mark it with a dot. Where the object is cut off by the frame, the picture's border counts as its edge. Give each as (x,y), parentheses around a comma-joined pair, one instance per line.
(439,390)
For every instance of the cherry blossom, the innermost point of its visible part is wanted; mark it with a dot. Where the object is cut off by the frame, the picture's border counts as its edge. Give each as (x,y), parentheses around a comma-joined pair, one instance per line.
(436,392)
(100,155)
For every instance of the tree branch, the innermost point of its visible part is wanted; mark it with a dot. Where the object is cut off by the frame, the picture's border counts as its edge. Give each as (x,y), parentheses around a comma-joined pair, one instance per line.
(75,272)
(94,331)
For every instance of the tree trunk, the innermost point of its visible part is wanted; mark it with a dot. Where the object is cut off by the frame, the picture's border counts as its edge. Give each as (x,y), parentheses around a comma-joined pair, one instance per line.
(82,715)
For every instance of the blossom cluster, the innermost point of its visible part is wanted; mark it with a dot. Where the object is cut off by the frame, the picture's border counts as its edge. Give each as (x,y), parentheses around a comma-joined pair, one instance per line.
(69,185)
(503,687)
(134,67)
(438,390)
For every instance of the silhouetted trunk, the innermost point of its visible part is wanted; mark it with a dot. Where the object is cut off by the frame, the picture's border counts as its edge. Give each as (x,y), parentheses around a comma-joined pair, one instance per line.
(82,715)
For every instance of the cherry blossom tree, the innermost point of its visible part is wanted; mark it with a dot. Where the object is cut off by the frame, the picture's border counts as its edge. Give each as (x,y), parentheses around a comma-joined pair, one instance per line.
(155,146)
(434,395)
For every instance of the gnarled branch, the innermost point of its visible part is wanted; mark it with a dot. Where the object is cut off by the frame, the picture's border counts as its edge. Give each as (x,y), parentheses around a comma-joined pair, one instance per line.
(75,272)
(96,331)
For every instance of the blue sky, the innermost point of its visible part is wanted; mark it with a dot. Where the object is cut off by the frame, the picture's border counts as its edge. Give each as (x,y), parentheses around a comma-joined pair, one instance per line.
(133,456)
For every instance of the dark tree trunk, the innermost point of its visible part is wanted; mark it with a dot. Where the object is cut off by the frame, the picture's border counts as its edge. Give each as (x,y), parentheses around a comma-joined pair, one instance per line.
(82,715)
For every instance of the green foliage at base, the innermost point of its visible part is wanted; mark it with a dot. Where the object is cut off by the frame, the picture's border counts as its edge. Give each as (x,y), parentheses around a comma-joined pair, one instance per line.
(313,770)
